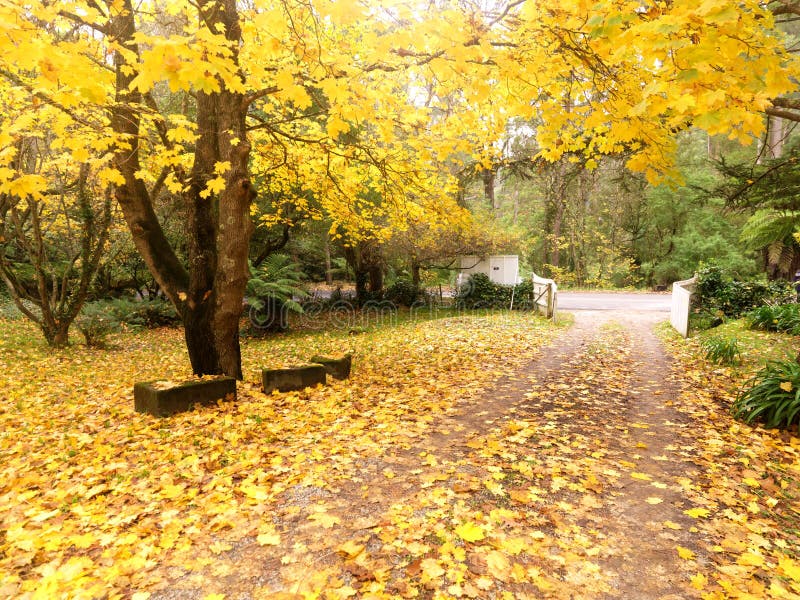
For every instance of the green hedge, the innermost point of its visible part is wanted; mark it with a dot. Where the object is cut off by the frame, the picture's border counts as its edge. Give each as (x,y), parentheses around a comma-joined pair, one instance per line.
(480,292)
(719,295)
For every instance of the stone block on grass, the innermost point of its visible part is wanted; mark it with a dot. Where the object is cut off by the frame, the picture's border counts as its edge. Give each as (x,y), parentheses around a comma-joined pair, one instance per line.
(338,368)
(165,398)
(292,378)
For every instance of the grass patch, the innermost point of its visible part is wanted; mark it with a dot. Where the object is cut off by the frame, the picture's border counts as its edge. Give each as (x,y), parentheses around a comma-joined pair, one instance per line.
(755,347)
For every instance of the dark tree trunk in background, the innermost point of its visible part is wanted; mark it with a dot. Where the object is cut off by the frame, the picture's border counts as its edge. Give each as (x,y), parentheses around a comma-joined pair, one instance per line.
(328,266)
(376,279)
(415,274)
(488,176)
(367,263)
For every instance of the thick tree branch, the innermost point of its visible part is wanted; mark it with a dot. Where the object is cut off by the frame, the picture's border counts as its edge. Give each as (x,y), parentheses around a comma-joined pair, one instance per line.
(783,114)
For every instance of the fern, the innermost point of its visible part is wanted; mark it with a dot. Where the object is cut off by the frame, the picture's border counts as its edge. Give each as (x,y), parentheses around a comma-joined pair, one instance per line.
(278,279)
(766,227)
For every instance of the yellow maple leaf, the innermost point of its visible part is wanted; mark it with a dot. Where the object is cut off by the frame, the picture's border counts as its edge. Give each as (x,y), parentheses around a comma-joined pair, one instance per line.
(335,126)
(213,186)
(750,559)
(786,386)
(219,547)
(431,568)
(696,513)
(470,532)
(513,545)
(789,567)
(642,476)
(672,525)
(498,565)
(350,549)
(484,583)
(685,553)
(342,592)
(699,581)
(324,519)
(654,500)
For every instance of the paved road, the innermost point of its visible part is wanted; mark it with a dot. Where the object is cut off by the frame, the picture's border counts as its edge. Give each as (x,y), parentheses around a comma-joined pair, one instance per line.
(613,301)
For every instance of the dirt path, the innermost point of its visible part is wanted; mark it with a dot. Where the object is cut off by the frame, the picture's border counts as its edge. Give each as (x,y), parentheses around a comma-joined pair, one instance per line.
(565,480)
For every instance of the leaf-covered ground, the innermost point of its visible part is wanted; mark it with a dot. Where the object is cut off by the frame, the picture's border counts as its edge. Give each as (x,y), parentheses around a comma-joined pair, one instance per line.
(458,462)
(96,499)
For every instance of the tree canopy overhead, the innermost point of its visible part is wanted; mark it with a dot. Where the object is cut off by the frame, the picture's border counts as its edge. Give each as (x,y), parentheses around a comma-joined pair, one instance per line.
(358,112)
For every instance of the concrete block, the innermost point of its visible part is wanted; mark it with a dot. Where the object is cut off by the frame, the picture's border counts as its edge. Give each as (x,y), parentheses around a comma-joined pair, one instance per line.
(292,378)
(165,398)
(338,368)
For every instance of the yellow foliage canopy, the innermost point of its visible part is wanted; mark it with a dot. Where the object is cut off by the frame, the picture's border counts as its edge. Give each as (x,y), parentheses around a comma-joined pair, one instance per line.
(362,112)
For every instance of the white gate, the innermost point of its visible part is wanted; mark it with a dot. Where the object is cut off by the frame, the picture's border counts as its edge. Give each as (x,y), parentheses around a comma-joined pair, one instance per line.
(545,295)
(681,303)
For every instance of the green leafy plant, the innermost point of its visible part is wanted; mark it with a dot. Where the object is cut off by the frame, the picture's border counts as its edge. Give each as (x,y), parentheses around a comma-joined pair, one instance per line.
(403,292)
(274,290)
(784,318)
(701,320)
(716,292)
(96,321)
(771,396)
(724,351)
(150,312)
(100,318)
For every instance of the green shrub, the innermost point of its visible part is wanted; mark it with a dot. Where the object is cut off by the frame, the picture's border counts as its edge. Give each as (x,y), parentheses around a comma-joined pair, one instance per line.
(701,320)
(149,313)
(717,292)
(480,292)
(772,396)
(722,351)
(8,310)
(96,321)
(763,318)
(403,292)
(102,317)
(711,283)
(784,318)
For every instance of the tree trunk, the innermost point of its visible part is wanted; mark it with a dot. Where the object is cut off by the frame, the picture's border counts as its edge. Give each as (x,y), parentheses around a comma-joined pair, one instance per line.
(200,342)
(415,274)
(554,234)
(488,176)
(209,295)
(361,278)
(375,279)
(328,269)
(56,334)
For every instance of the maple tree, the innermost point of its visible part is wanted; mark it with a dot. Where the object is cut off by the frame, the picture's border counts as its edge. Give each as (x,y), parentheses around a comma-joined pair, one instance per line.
(367,108)
(52,246)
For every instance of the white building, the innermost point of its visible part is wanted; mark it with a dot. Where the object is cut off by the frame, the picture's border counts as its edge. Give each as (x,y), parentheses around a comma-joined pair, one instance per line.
(502,268)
